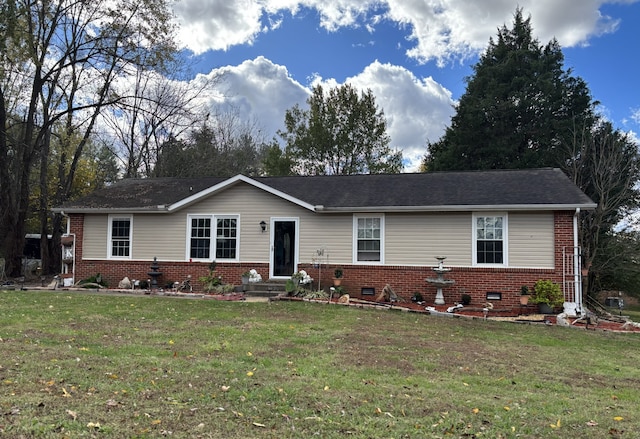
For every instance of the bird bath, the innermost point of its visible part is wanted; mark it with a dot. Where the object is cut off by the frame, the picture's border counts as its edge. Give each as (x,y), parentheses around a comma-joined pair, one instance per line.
(154,274)
(440,282)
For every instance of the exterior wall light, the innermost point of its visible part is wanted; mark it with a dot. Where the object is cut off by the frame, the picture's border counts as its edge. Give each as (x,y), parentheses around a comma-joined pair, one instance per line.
(263,226)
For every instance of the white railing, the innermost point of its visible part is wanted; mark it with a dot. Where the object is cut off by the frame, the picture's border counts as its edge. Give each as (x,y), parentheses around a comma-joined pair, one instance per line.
(572,277)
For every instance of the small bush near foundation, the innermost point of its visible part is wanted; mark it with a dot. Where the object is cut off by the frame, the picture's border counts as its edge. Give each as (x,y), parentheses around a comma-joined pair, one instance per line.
(92,281)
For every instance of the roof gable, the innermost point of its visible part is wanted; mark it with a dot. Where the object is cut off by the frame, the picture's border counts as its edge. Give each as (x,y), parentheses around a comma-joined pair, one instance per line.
(504,189)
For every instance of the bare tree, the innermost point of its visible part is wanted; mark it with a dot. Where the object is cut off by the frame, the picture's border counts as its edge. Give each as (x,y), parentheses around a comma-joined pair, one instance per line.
(605,164)
(225,145)
(155,110)
(67,54)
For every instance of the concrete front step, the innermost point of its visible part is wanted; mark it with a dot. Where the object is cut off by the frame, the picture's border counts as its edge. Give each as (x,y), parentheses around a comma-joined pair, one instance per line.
(270,288)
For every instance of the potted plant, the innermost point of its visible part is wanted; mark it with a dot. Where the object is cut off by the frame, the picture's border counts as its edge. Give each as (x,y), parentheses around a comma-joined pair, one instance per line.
(337,277)
(465,299)
(245,277)
(524,295)
(548,295)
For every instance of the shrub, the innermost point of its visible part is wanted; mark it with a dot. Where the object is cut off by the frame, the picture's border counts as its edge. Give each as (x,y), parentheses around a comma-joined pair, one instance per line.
(547,292)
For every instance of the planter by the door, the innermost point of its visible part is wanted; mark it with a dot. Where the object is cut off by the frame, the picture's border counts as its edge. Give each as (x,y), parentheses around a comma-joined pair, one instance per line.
(336,282)
(524,300)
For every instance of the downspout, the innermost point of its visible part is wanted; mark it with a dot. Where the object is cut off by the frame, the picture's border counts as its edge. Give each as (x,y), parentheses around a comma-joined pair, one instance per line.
(577,274)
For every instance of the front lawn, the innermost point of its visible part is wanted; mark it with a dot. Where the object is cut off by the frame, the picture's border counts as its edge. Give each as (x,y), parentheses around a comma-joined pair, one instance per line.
(92,365)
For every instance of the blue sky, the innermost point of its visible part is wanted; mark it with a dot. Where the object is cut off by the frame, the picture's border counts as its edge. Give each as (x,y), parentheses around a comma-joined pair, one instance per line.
(414,56)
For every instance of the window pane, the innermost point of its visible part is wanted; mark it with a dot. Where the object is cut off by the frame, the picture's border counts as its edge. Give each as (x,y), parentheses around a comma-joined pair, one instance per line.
(200,238)
(489,240)
(120,241)
(226,242)
(369,235)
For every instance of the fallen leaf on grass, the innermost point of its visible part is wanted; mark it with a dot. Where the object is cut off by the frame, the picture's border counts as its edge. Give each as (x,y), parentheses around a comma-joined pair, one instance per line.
(476,410)
(257,424)
(73,414)
(111,403)
(556,425)
(618,418)
(95,425)
(592,424)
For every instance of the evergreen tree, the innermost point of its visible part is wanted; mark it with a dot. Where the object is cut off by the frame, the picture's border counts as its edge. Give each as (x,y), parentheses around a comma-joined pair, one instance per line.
(518,108)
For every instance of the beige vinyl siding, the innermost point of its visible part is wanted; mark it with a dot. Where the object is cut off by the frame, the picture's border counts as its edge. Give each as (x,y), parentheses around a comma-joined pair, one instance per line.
(531,240)
(161,236)
(333,233)
(410,238)
(96,232)
(165,235)
(416,239)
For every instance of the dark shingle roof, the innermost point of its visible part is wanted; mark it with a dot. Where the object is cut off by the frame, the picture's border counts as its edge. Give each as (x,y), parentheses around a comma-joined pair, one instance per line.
(535,187)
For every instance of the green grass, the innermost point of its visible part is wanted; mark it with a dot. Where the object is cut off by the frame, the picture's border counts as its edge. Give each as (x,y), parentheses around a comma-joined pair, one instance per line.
(78,365)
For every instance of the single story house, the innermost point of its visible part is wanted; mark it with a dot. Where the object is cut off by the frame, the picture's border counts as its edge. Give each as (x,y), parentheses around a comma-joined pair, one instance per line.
(499,230)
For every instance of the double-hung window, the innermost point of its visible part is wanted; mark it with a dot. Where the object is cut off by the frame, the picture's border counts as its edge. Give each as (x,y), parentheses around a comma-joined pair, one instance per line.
(226,237)
(200,242)
(213,237)
(120,228)
(490,236)
(369,239)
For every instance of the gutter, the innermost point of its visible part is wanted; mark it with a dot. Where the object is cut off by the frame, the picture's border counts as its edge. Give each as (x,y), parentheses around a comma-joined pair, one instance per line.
(457,208)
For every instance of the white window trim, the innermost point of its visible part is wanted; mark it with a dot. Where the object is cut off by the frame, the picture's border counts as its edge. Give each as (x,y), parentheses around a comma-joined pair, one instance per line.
(505,238)
(355,238)
(212,244)
(111,218)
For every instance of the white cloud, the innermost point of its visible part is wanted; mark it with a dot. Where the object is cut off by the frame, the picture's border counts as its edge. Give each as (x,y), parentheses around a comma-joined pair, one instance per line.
(442,31)
(416,109)
(217,24)
(260,90)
